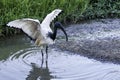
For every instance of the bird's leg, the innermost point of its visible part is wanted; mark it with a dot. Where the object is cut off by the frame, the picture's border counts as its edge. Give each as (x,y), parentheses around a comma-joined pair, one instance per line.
(46,64)
(46,53)
(42,57)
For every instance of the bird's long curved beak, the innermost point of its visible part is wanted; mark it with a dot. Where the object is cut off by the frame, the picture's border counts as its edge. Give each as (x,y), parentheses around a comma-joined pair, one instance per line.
(61,27)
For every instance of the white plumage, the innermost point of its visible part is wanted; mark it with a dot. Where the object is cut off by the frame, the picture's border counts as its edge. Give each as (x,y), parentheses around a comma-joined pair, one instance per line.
(34,29)
(41,33)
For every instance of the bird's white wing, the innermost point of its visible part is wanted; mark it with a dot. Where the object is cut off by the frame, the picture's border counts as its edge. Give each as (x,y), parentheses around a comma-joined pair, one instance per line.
(51,16)
(29,26)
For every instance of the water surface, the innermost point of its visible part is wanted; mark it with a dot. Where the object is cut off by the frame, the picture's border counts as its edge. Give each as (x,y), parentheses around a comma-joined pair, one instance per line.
(21,60)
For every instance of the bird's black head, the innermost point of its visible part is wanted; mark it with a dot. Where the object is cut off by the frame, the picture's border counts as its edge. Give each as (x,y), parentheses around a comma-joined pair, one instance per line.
(58,25)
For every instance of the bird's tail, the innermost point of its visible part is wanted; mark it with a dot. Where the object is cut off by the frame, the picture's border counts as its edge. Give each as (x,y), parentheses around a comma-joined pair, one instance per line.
(39,41)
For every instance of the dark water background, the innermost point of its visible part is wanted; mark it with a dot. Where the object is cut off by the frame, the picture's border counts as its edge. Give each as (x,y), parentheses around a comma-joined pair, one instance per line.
(21,60)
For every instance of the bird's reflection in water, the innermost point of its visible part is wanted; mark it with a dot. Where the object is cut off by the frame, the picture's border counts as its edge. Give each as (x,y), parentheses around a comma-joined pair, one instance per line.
(39,73)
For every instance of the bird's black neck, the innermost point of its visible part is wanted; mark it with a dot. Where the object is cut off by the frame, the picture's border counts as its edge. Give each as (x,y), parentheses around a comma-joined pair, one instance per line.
(58,25)
(53,35)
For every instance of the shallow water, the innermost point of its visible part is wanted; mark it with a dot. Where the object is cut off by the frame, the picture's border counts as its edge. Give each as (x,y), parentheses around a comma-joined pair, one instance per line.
(23,61)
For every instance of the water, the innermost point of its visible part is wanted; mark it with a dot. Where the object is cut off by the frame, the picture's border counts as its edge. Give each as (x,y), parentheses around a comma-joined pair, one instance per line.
(20,60)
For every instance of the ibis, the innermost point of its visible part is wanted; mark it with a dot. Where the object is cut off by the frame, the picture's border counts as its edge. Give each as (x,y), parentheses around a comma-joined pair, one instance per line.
(40,33)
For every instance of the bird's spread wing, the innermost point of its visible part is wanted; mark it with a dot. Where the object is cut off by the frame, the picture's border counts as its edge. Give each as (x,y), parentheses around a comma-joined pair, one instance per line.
(51,16)
(29,26)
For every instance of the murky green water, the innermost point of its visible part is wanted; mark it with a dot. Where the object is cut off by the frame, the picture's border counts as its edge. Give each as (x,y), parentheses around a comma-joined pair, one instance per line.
(20,60)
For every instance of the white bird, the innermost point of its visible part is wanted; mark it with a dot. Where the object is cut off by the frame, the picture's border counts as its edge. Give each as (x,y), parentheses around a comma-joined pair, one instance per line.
(41,33)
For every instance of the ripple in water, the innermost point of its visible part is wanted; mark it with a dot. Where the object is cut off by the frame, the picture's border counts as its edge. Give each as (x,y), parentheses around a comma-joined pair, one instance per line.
(61,65)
